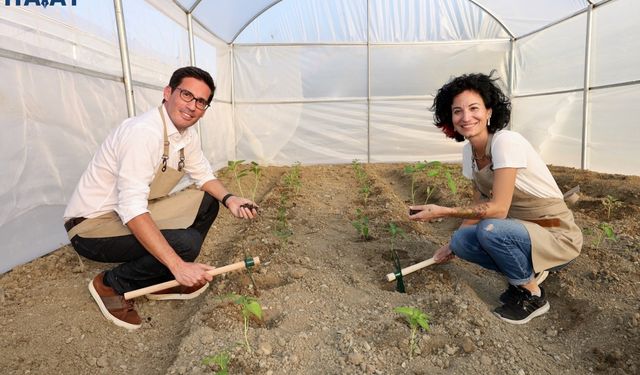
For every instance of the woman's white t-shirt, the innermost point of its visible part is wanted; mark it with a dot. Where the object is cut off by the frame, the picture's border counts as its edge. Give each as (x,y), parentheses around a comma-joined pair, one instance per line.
(511,150)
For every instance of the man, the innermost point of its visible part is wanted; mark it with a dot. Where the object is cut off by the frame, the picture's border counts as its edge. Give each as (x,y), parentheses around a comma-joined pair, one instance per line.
(122,210)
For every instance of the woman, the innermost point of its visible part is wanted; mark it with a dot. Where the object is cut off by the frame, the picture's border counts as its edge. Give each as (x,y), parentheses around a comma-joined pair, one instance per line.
(518,223)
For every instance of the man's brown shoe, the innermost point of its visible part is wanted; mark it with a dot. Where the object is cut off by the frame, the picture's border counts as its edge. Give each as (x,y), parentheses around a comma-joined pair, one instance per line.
(113,305)
(179,292)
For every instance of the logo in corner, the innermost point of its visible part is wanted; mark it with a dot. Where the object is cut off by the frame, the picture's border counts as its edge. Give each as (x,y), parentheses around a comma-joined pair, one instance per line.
(42,3)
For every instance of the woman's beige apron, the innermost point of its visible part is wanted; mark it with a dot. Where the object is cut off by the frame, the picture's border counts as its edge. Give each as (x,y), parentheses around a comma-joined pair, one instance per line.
(555,237)
(177,211)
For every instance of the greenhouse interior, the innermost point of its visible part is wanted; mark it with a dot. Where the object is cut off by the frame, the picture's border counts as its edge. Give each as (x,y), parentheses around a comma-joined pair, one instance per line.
(308,81)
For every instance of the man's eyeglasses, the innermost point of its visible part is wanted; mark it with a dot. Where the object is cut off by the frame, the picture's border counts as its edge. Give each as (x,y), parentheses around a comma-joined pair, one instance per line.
(187,96)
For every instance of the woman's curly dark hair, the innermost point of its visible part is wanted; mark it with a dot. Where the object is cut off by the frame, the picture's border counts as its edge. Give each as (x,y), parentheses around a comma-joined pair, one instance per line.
(484,86)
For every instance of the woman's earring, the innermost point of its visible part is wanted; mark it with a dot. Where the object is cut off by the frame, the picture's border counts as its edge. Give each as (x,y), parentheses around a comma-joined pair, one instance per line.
(488,121)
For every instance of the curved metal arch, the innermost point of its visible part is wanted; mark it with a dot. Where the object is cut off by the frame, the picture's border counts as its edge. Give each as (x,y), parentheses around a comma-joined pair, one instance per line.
(511,35)
(252,19)
(504,27)
(188,12)
(194,6)
(474,2)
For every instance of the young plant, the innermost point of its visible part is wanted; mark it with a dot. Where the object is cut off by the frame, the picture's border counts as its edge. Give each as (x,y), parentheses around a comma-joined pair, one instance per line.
(413,170)
(282,225)
(416,319)
(220,361)
(362,225)
(395,232)
(605,231)
(365,191)
(250,307)
(610,204)
(234,167)
(363,180)
(257,172)
(433,169)
(451,183)
(429,191)
(361,174)
(292,179)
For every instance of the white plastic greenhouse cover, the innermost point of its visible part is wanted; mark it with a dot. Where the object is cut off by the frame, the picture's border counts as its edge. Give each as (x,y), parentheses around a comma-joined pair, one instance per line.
(311,81)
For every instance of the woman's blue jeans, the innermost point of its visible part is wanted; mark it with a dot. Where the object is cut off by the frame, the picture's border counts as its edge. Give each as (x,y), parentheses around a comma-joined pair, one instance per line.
(501,245)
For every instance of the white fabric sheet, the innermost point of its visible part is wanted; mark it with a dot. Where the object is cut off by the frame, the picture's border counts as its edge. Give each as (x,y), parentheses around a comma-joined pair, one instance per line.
(553,59)
(616,43)
(403,130)
(553,126)
(613,134)
(404,70)
(52,122)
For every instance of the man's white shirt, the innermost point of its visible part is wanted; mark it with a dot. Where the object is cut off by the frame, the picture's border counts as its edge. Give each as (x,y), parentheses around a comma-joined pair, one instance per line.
(118,177)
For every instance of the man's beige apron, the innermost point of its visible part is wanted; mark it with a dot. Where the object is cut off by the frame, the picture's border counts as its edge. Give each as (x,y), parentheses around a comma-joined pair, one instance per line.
(177,211)
(555,237)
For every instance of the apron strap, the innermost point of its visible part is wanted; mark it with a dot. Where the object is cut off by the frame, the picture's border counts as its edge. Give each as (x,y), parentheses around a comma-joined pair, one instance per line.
(165,150)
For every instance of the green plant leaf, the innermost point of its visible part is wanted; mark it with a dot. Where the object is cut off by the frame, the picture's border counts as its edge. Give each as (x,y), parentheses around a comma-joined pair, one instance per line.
(221,360)
(254,308)
(395,230)
(608,231)
(451,182)
(433,172)
(414,317)
(234,163)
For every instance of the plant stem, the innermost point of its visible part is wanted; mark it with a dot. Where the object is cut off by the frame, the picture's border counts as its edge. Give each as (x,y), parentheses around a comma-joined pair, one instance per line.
(413,342)
(255,188)
(246,330)
(235,172)
(413,191)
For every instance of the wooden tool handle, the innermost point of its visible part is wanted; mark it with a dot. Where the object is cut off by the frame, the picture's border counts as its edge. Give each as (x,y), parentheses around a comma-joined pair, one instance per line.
(412,268)
(173,283)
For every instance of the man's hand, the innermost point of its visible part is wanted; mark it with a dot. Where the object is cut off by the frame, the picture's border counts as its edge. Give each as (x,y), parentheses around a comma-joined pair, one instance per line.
(443,254)
(191,274)
(242,207)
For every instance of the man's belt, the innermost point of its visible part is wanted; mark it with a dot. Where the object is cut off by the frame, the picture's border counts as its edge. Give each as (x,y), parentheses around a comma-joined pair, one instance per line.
(69,224)
(546,223)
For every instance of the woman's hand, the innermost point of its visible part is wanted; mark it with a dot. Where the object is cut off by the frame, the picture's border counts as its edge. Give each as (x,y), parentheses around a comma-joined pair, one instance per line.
(427,212)
(443,254)
(242,207)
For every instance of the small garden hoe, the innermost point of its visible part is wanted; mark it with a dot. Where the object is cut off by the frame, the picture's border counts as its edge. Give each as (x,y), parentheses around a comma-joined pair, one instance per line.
(398,274)
(245,264)
(405,271)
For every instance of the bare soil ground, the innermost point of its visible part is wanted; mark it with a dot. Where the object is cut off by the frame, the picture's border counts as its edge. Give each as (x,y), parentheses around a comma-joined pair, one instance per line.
(328,308)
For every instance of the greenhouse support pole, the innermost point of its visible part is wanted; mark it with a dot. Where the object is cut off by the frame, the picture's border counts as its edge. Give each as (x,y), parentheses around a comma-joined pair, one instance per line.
(233,105)
(584,164)
(368,83)
(192,49)
(124,57)
(512,65)
(192,58)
